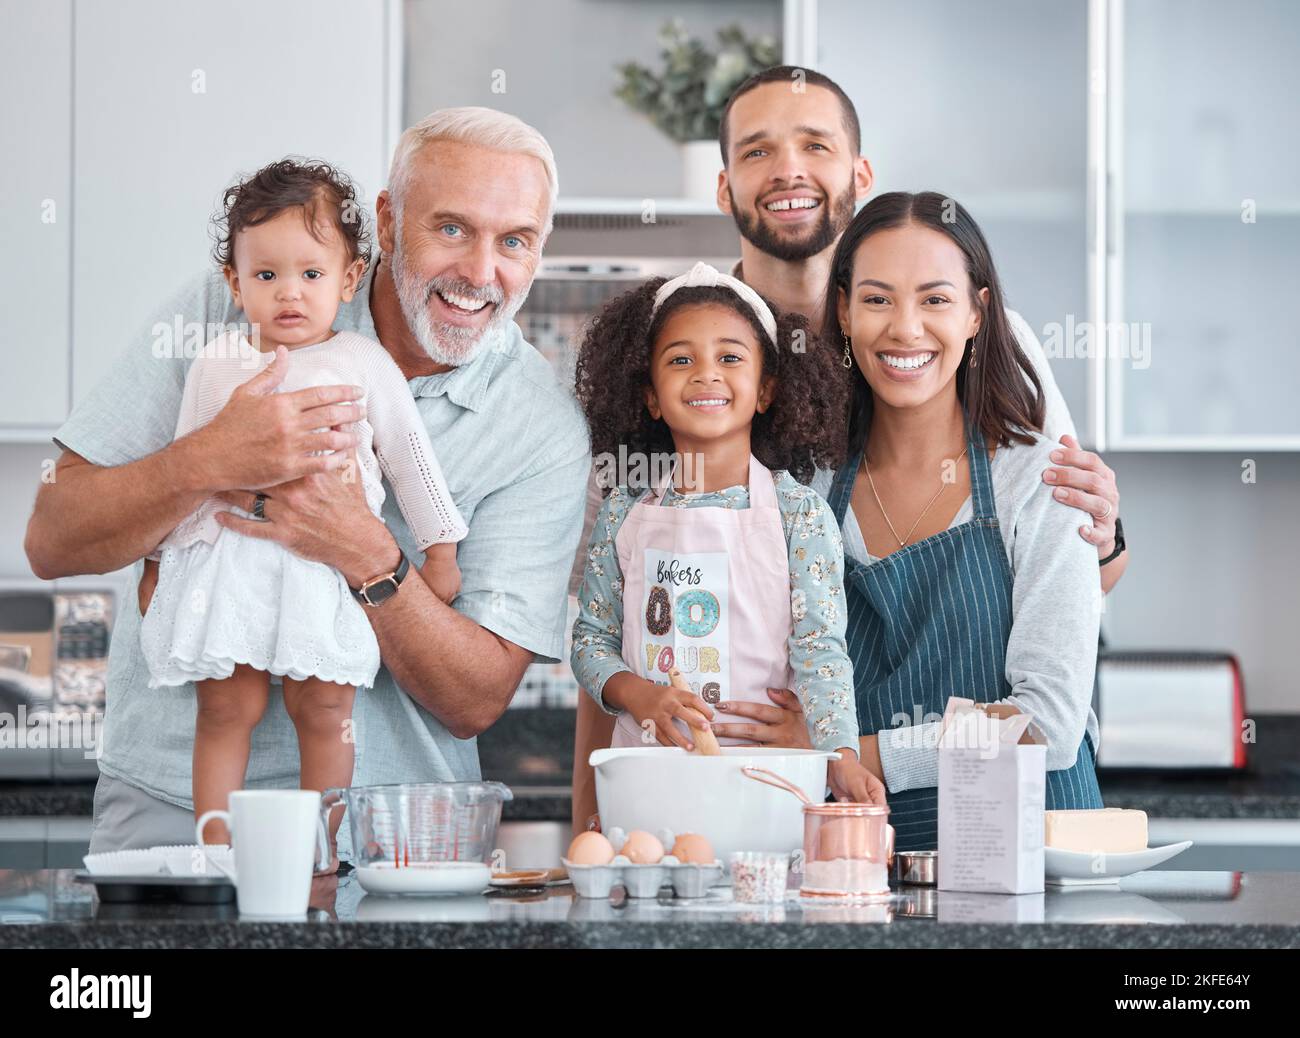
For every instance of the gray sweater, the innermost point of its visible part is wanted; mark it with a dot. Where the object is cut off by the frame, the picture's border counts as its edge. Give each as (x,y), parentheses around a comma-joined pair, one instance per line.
(1056,606)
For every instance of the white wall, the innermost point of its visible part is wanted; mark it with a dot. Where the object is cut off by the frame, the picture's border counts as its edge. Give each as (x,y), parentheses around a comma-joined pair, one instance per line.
(35,210)
(1215,564)
(153,154)
(20,475)
(131,117)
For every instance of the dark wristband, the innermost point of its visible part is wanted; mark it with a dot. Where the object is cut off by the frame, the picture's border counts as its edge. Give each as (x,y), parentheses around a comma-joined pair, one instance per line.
(1120,545)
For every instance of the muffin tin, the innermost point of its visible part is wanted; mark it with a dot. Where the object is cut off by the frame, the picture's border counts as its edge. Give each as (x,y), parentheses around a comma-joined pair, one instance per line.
(186,873)
(190,890)
(687,879)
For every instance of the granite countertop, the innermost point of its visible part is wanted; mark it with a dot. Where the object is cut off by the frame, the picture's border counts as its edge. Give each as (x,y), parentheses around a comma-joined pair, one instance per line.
(531,750)
(49,908)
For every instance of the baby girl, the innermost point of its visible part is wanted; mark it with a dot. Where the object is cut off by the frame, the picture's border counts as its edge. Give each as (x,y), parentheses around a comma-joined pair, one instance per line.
(228,610)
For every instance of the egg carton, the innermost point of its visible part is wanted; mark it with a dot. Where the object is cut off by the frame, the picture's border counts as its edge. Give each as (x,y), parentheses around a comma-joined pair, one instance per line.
(688,879)
(644,879)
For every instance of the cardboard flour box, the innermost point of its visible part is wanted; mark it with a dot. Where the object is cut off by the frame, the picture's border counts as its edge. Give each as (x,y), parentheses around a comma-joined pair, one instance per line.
(992,794)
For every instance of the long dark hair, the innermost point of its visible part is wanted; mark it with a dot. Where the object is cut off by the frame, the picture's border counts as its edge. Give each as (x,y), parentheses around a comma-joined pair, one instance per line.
(802,430)
(1001,395)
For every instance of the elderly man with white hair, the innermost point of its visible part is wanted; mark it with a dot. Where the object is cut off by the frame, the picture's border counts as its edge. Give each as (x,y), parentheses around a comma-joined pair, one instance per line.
(460,228)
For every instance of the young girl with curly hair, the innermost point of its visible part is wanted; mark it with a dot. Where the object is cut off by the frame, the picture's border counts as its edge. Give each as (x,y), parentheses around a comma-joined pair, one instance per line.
(731,571)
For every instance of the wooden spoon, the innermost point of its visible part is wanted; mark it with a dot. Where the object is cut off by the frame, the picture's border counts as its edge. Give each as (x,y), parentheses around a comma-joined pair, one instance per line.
(706,743)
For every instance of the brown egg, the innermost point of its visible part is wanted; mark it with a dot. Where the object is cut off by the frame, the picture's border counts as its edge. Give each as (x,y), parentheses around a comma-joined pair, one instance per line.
(591,849)
(693,849)
(642,848)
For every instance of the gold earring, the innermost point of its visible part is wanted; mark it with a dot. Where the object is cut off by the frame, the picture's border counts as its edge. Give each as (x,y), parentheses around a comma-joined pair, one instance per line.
(973,359)
(848,351)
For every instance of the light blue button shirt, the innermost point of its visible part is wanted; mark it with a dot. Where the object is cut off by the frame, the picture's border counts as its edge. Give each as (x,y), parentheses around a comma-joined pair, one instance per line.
(513,448)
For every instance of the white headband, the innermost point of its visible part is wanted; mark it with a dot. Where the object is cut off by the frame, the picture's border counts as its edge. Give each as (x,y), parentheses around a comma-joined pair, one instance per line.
(703,275)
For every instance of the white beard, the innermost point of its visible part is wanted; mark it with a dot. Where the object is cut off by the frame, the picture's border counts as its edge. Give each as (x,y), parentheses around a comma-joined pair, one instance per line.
(448,343)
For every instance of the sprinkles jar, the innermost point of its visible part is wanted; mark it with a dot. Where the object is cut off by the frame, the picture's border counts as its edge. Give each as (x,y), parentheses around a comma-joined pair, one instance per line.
(759,876)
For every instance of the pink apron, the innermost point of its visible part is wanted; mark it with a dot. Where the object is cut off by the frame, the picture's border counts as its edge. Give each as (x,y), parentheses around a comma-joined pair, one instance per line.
(706,590)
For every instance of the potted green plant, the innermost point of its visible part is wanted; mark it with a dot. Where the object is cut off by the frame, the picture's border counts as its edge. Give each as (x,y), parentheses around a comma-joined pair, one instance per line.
(686,98)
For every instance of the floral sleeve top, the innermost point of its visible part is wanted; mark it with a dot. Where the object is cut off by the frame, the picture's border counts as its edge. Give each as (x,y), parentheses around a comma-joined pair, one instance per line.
(818,654)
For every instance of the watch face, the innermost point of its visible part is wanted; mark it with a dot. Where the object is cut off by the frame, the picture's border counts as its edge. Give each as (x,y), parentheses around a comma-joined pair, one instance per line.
(381,592)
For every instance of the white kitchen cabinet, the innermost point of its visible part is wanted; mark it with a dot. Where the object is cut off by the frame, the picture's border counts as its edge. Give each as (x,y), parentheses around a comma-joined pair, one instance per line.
(1133,165)
(173,102)
(1205,206)
(131,119)
(986,103)
(35,215)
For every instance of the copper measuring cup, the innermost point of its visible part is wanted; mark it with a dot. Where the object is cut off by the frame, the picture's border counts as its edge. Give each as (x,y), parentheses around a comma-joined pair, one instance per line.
(847,848)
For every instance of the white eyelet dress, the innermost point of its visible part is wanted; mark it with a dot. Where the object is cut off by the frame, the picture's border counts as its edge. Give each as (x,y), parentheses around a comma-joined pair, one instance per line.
(224,598)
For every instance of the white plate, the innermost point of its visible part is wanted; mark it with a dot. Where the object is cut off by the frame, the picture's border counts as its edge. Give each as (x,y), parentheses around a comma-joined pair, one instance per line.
(1074,868)
(436,877)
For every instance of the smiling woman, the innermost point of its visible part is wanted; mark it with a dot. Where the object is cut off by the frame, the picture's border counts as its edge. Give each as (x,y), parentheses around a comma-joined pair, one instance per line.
(951,308)
(989,593)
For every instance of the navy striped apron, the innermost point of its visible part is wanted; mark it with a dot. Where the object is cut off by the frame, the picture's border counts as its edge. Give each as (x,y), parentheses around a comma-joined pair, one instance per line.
(930,621)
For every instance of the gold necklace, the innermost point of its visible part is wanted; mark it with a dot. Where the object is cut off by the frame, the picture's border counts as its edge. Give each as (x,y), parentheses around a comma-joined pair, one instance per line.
(902,543)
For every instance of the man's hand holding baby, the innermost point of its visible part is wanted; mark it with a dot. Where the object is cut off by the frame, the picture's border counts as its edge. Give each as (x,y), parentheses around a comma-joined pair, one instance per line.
(323,517)
(262,438)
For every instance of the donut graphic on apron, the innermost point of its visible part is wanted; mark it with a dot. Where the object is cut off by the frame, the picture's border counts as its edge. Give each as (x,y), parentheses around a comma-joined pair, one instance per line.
(686,618)
(706,590)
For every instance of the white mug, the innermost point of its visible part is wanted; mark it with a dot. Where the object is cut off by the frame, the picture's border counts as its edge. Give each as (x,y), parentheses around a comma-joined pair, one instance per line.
(277,835)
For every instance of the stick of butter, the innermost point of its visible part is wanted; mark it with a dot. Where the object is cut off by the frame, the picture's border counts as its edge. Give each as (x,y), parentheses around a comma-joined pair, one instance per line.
(1111,830)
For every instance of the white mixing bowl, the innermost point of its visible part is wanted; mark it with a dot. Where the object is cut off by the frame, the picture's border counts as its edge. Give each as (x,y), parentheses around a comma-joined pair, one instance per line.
(664,787)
